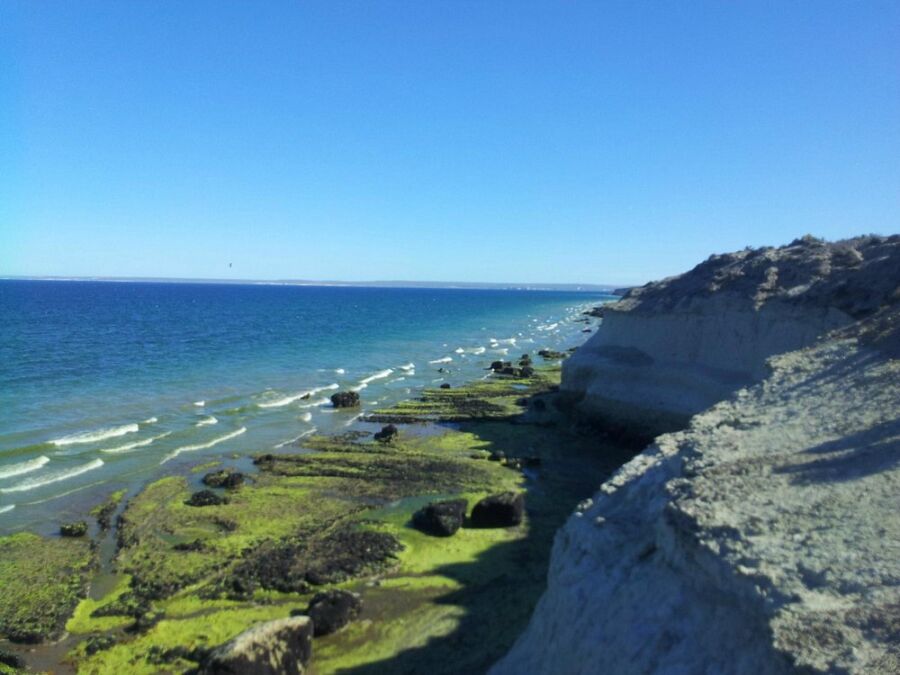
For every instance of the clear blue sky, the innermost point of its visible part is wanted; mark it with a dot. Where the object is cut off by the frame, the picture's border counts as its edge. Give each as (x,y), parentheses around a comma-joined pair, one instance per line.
(496,141)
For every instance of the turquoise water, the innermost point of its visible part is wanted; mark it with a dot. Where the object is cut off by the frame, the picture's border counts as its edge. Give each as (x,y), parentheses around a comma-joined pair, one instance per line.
(106,385)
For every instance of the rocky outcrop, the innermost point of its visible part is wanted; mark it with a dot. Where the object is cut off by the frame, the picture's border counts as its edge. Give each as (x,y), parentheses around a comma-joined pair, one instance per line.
(764,537)
(281,646)
(670,349)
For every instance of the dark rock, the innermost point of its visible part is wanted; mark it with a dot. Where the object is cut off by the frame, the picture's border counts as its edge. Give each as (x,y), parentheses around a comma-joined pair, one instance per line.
(526,371)
(445,386)
(345,399)
(145,622)
(196,545)
(206,498)
(514,463)
(226,478)
(497,456)
(441,519)
(78,529)
(332,610)
(539,404)
(551,355)
(597,312)
(271,648)
(498,366)
(264,459)
(501,510)
(14,661)
(388,433)
(586,330)
(508,370)
(98,643)
(530,461)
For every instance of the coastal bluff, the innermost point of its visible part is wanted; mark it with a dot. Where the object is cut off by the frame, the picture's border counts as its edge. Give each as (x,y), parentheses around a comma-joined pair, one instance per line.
(764,535)
(670,349)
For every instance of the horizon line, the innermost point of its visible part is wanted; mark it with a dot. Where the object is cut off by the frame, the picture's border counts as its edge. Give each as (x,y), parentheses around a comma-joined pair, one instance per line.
(378,283)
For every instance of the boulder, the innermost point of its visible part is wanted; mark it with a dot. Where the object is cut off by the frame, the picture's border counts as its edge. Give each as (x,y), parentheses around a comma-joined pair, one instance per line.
(226,478)
(13,661)
(206,498)
(445,386)
(501,510)
(497,456)
(388,433)
(78,529)
(271,648)
(441,519)
(550,354)
(526,371)
(498,366)
(345,399)
(332,610)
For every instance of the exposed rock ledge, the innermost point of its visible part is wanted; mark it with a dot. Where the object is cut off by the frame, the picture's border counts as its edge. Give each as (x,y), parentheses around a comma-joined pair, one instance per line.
(765,538)
(671,349)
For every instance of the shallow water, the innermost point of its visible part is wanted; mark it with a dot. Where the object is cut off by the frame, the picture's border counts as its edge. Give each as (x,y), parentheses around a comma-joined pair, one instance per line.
(105,385)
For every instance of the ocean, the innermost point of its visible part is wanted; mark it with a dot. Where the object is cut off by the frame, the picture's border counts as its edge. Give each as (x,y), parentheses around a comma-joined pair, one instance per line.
(107,385)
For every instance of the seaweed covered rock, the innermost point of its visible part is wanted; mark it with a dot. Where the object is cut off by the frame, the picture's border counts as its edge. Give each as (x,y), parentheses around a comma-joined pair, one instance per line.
(76,529)
(271,648)
(387,433)
(552,355)
(345,399)
(10,660)
(441,519)
(206,498)
(226,478)
(501,510)
(332,610)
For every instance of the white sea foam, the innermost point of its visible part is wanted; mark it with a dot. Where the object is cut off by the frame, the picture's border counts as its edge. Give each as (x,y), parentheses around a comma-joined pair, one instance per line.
(479,350)
(96,435)
(306,433)
(11,470)
(206,421)
(502,350)
(203,446)
(134,445)
(408,366)
(358,388)
(316,403)
(287,400)
(8,507)
(377,376)
(47,479)
(199,404)
(459,350)
(352,420)
(446,359)
(339,371)
(150,420)
(305,417)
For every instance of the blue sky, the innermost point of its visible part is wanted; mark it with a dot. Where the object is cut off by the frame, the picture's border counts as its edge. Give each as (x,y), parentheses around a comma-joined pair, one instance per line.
(492,141)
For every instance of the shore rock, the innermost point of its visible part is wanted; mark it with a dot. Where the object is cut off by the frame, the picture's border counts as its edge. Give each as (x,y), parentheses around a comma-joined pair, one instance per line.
(226,478)
(273,648)
(441,519)
(503,510)
(388,433)
(332,610)
(77,529)
(205,498)
(345,399)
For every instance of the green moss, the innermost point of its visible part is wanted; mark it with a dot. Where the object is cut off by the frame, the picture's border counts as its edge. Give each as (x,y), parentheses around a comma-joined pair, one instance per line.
(200,468)
(42,581)
(83,622)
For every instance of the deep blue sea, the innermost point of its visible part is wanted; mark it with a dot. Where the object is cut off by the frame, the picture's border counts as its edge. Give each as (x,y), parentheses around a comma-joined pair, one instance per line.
(106,384)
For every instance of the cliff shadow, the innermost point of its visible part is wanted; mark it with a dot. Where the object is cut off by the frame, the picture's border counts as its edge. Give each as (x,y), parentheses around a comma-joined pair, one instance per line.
(499,589)
(861,454)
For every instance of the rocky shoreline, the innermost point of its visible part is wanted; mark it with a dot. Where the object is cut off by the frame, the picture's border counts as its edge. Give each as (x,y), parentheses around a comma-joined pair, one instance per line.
(397,538)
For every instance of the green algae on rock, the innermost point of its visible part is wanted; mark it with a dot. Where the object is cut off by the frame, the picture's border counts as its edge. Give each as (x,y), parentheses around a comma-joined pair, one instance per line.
(42,580)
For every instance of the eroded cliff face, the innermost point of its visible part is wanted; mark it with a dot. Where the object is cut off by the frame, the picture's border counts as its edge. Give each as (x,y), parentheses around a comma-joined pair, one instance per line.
(765,537)
(672,348)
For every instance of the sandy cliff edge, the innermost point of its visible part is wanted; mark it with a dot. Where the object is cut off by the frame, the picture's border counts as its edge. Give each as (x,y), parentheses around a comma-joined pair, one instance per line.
(766,536)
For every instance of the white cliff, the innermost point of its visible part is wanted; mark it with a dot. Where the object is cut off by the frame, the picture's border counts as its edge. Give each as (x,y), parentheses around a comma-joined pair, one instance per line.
(672,348)
(765,537)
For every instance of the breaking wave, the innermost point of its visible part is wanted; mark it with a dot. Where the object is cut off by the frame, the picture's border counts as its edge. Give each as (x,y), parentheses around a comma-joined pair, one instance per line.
(203,446)
(136,444)
(41,481)
(96,435)
(11,470)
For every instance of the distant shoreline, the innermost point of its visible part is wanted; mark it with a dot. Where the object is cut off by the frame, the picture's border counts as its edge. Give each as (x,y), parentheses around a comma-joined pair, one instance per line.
(584,288)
